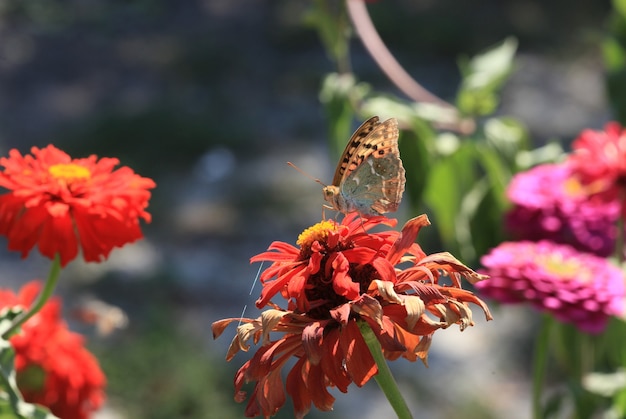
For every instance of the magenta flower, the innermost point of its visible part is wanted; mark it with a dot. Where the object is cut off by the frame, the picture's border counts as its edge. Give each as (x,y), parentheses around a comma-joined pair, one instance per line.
(550,203)
(575,287)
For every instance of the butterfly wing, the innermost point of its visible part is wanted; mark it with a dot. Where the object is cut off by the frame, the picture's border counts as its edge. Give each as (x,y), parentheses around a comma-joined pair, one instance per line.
(371,175)
(347,163)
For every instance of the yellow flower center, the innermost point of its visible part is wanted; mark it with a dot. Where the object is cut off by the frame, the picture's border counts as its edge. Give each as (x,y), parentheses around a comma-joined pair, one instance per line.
(573,187)
(566,269)
(318,232)
(69,172)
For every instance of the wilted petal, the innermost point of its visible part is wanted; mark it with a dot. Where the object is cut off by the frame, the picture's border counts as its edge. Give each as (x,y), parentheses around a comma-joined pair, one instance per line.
(407,238)
(386,290)
(414,307)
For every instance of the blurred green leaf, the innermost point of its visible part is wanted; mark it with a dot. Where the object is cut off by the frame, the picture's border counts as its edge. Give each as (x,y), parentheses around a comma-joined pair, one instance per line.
(390,106)
(338,94)
(7,315)
(613,54)
(483,75)
(416,157)
(620,7)
(333,28)
(449,177)
(605,384)
(497,173)
(506,135)
(549,153)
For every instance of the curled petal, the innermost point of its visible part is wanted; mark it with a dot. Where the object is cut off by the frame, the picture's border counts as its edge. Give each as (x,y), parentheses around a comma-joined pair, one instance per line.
(446,262)
(369,307)
(386,290)
(342,282)
(407,238)
(283,252)
(414,307)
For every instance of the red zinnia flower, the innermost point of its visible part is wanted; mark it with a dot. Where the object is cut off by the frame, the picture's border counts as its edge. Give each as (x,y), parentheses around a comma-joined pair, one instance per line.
(53,367)
(342,275)
(599,158)
(56,202)
(575,287)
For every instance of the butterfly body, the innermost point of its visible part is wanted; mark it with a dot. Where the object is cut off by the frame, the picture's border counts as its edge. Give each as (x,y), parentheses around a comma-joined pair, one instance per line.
(369,178)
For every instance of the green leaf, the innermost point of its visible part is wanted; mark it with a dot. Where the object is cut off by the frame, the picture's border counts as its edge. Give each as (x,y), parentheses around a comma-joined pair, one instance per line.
(7,315)
(449,177)
(338,93)
(415,148)
(23,411)
(332,26)
(613,54)
(620,7)
(390,106)
(483,76)
(506,135)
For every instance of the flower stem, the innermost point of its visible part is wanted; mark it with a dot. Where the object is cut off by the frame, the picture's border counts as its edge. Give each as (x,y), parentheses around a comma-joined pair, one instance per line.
(384,378)
(44,295)
(539,363)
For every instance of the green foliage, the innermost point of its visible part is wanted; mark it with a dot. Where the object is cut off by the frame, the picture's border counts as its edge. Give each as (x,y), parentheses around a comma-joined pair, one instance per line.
(458,179)
(614,54)
(158,372)
(483,76)
(333,28)
(12,405)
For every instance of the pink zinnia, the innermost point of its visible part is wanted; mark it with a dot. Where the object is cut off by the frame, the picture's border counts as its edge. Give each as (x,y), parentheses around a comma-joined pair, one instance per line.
(575,287)
(551,203)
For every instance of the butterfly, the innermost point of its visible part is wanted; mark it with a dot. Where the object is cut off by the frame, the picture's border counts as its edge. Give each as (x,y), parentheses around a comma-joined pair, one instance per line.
(369,178)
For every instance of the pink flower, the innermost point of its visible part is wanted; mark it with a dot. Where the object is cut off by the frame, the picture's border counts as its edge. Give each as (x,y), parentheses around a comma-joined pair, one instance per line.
(551,203)
(577,288)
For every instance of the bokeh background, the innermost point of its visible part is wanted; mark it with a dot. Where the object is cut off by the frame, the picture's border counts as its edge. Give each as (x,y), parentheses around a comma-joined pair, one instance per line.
(211,98)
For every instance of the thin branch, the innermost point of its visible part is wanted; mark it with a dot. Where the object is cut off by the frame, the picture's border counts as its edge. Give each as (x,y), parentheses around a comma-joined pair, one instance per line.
(392,68)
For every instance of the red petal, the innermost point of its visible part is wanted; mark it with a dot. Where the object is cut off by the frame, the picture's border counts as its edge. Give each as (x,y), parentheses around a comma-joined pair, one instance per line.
(359,361)
(407,238)
(342,283)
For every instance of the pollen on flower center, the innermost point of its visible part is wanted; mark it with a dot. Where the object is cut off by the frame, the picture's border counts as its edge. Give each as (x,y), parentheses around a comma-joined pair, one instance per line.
(317,232)
(573,187)
(564,268)
(69,172)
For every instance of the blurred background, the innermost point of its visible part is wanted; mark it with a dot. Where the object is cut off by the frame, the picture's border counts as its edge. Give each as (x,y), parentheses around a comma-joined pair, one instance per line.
(211,98)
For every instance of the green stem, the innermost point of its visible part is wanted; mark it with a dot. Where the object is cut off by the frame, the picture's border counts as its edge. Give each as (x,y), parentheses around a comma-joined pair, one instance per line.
(539,363)
(44,295)
(384,378)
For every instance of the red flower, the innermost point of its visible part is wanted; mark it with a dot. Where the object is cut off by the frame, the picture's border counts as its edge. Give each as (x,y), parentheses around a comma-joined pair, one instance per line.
(53,367)
(599,158)
(340,277)
(56,202)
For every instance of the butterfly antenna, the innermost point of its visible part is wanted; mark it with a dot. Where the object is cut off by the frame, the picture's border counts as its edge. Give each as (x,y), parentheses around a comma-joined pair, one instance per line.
(306,174)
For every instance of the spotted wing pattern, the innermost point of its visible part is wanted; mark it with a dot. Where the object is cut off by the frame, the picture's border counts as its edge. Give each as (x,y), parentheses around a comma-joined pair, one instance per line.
(369,177)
